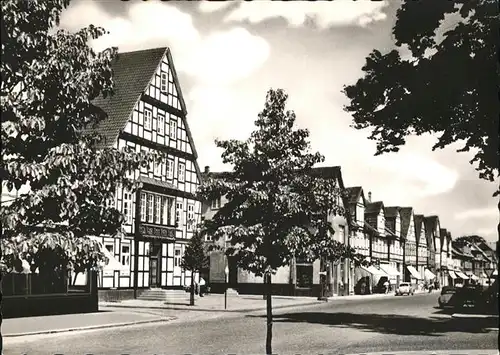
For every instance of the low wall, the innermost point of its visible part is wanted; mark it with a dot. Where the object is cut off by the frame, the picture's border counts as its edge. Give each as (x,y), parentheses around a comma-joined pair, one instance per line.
(51,304)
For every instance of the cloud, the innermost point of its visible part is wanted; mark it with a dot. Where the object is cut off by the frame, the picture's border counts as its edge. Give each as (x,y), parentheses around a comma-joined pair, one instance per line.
(226,57)
(483,213)
(433,177)
(219,58)
(323,13)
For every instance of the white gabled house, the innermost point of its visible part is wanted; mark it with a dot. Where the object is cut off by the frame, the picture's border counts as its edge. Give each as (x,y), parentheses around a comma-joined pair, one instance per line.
(148,113)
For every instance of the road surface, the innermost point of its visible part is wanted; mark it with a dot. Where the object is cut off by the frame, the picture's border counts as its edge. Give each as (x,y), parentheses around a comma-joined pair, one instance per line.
(388,325)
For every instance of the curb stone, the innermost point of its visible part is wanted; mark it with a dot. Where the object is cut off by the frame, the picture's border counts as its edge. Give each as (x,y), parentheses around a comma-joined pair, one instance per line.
(91,327)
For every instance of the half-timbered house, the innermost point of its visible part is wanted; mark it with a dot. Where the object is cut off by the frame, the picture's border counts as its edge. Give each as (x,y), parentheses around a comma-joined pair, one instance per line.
(421,239)
(148,113)
(433,246)
(410,256)
(396,242)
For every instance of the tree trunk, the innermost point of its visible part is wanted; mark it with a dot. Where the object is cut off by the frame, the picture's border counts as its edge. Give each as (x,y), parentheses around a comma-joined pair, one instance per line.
(269,336)
(1,308)
(191,298)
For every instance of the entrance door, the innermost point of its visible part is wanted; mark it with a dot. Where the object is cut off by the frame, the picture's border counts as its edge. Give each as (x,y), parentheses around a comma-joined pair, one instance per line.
(153,272)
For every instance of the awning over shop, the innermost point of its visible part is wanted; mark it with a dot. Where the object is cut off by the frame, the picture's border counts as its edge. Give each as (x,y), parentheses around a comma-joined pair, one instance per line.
(414,273)
(452,274)
(429,275)
(374,271)
(495,273)
(483,275)
(461,275)
(389,270)
(474,277)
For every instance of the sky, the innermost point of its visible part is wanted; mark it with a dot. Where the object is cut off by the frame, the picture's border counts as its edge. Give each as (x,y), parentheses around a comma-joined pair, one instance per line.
(228,54)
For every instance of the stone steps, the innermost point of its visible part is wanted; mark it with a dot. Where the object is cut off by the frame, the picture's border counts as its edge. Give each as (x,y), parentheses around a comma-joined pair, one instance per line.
(163,295)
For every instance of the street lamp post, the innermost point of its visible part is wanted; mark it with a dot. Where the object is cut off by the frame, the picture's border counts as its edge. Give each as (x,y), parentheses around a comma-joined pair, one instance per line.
(226,272)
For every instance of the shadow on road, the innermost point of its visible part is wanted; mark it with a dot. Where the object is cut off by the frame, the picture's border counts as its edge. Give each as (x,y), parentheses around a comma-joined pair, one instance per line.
(391,323)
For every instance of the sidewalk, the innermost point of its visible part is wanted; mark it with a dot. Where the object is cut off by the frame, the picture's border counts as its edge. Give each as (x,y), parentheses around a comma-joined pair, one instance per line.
(215,303)
(235,303)
(15,327)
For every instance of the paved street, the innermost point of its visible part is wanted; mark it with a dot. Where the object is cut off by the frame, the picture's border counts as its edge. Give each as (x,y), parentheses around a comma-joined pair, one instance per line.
(341,326)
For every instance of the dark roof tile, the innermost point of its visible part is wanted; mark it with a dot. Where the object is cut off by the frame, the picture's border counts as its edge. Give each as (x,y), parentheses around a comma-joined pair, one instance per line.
(354,193)
(406,213)
(374,207)
(132,72)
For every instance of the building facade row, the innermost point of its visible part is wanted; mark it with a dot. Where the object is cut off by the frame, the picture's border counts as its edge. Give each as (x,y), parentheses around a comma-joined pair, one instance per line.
(399,244)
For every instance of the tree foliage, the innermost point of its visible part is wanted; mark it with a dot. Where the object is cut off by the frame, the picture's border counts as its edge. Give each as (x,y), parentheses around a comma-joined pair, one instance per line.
(49,79)
(468,239)
(194,258)
(276,208)
(449,86)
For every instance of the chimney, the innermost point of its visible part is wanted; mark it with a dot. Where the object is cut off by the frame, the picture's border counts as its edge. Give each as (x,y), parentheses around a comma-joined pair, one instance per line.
(207,169)
(369,196)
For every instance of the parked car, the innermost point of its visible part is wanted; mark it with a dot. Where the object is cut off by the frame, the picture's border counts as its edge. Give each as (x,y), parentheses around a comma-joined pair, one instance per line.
(447,297)
(405,288)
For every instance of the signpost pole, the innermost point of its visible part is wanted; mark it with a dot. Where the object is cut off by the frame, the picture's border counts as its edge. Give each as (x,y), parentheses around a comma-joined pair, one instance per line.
(226,271)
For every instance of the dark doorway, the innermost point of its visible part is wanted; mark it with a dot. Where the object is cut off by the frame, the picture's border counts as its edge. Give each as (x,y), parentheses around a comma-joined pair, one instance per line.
(153,272)
(154,265)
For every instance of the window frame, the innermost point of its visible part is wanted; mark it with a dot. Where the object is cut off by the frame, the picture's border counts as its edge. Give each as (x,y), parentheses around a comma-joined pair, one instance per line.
(158,207)
(177,257)
(144,202)
(160,124)
(216,203)
(190,216)
(164,83)
(150,208)
(179,209)
(181,171)
(125,254)
(173,129)
(127,206)
(150,119)
(170,169)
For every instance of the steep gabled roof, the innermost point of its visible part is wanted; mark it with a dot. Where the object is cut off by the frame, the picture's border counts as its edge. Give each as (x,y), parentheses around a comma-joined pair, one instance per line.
(132,72)
(374,207)
(431,222)
(391,212)
(430,225)
(418,219)
(443,234)
(406,213)
(329,172)
(354,193)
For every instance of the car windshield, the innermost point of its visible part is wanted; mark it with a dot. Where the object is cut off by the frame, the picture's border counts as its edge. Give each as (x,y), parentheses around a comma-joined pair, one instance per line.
(404,285)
